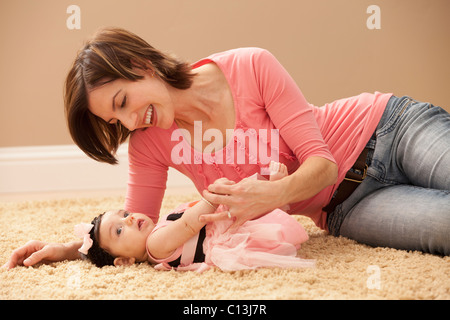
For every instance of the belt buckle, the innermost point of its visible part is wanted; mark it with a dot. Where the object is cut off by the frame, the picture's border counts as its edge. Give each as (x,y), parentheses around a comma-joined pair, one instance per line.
(363,176)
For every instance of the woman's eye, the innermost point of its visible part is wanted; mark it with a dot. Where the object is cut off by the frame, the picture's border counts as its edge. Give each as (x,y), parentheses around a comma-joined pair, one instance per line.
(119,231)
(126,214)
(123,102)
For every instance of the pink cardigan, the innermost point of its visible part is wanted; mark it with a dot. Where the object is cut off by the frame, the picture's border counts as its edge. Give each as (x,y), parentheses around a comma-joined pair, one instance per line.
(265,98)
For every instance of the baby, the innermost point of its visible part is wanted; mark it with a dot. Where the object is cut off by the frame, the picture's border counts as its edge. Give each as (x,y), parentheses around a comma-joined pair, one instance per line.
(181,241)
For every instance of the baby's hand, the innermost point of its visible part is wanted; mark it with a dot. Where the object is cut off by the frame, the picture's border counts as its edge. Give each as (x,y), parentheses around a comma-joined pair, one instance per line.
(277,170)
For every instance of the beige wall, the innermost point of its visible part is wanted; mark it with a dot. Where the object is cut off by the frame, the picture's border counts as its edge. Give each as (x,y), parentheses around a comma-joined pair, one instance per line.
(324,44)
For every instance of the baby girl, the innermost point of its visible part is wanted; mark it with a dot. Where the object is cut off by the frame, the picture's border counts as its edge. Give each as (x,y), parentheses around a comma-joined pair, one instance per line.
(183,242)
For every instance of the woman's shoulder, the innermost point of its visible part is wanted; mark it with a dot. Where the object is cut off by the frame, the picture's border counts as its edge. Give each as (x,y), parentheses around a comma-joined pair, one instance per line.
(147,143)
(242,51)
(151,135)
(239,55)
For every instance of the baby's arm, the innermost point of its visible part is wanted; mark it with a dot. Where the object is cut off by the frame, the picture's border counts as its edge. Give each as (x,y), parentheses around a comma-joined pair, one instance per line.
(164,241)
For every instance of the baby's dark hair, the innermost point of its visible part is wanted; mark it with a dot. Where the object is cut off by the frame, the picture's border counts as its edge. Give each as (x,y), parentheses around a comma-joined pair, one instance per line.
(96,254)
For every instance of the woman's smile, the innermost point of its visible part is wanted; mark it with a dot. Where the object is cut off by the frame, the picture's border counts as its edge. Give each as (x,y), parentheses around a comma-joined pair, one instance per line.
(150,116)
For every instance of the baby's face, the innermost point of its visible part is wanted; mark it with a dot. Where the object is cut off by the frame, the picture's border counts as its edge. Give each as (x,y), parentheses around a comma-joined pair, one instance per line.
(124,234)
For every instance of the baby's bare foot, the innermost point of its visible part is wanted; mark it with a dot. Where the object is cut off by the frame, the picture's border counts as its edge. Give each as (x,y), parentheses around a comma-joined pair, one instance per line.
(277,170)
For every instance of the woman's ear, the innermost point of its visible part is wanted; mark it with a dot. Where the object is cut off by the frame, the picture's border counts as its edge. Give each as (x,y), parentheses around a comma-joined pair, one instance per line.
(124,261)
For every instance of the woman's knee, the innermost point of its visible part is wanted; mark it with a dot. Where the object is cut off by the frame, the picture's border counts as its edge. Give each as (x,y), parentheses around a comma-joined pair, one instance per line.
(402,217)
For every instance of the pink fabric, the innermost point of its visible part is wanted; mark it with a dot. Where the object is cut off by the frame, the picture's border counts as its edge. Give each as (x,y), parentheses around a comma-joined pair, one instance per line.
(82,231)
(270,241)
(265,97)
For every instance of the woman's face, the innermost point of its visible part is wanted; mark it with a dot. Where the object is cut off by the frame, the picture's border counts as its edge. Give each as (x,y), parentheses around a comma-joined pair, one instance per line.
(136,104)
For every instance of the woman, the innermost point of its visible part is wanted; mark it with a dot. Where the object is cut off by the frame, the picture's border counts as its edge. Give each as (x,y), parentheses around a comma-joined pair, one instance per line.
(374,168)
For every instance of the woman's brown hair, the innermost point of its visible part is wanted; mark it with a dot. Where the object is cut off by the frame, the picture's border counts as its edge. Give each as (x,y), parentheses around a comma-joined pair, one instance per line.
(111,54)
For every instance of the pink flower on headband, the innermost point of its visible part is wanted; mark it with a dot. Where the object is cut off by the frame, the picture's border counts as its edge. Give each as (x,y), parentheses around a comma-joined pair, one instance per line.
(82,231)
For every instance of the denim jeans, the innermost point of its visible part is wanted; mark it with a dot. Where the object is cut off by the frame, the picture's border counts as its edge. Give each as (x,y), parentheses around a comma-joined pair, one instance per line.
(404,202)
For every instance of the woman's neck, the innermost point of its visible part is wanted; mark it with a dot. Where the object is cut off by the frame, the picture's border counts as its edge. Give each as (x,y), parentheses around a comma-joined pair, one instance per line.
(202,101)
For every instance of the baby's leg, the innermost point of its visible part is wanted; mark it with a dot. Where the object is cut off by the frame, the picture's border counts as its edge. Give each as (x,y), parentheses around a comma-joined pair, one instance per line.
(277,170)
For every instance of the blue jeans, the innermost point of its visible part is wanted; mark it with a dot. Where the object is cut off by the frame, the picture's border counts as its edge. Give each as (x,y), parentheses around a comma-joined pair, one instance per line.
(404,202)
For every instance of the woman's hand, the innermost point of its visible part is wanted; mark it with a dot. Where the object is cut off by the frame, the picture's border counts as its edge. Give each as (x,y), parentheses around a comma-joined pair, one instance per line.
(246,200)
(251,198)
(36,251)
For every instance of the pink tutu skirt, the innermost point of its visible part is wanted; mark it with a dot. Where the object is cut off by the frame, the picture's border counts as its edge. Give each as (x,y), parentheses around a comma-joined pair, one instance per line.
(269,241)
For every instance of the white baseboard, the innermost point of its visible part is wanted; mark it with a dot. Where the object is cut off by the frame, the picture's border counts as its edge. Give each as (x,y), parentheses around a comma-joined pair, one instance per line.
(65,167)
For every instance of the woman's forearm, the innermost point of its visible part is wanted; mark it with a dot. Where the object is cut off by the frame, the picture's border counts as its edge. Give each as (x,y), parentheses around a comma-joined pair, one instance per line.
(71,252)
(250,198)
(310,178)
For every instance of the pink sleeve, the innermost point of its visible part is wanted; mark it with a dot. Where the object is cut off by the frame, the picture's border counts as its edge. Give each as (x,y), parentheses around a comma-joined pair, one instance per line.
(288,109)
(146,179)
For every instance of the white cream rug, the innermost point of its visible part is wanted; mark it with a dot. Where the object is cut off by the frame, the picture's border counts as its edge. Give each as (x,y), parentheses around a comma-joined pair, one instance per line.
(344,269)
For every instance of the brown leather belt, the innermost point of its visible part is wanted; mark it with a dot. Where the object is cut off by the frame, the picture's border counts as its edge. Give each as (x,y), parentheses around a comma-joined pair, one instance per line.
(352,180)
